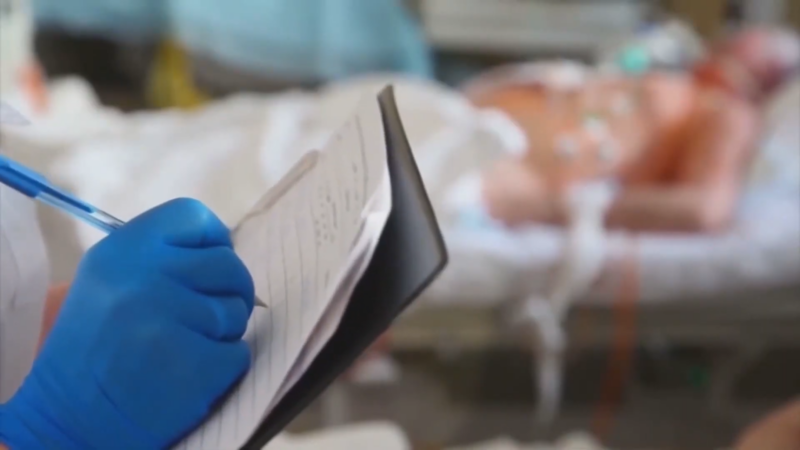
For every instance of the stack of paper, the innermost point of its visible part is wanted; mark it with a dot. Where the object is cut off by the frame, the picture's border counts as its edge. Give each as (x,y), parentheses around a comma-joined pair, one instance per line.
(306,244)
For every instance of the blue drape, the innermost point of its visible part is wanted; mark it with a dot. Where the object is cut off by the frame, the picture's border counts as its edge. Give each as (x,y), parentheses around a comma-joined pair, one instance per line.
(315,40)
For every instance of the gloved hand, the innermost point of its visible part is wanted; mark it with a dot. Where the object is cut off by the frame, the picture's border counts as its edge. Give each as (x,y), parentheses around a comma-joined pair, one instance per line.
(148,339)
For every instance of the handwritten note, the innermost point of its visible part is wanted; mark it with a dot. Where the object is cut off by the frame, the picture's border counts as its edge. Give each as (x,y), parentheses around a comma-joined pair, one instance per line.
(306,243)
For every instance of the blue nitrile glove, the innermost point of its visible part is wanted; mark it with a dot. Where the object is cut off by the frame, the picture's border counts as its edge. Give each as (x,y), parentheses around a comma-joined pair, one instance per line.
(148,339)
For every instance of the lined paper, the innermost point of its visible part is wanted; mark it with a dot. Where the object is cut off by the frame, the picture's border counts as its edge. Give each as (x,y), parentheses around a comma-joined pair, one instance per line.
(327,325)
(305,243)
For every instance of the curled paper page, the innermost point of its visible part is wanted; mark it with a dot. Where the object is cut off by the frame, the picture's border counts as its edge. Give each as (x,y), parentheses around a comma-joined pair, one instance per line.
(10,116)
(306,243)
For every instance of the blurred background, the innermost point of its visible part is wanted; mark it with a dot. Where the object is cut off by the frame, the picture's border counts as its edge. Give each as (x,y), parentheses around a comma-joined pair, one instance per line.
(685,332)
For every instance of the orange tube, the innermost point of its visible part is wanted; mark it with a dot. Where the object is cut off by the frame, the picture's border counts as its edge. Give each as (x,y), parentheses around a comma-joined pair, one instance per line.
(622,356)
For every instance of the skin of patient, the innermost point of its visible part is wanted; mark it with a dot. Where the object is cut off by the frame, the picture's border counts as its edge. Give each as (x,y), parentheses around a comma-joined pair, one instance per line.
(677,144)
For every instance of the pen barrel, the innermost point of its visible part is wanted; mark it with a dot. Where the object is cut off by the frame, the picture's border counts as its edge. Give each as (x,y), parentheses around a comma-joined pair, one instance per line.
(99,219)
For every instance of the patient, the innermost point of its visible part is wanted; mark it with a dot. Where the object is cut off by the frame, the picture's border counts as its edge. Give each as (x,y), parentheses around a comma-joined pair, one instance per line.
(677,144)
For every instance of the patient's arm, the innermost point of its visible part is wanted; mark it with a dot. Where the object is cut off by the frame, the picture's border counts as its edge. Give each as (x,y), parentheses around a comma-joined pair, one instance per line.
(659,209)
(705,187)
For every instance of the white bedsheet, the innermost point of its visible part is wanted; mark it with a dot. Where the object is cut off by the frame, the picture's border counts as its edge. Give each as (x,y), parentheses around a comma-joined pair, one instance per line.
(228,153)
(761,252)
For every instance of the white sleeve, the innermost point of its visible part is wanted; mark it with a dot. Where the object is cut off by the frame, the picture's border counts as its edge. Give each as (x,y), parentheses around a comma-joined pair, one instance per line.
(24,279)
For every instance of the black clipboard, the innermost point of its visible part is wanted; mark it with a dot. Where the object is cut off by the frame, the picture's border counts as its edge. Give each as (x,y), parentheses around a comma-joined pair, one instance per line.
(410,255)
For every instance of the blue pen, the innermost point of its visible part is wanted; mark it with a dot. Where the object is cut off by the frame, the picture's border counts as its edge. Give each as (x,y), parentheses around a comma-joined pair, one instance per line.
(36,186)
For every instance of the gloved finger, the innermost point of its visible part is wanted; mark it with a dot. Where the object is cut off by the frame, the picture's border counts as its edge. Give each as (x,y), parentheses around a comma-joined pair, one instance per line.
(218,318)
(182,222)
(212,271)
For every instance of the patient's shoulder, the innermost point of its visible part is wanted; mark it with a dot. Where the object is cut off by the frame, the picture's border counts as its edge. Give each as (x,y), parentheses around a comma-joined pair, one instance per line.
(716,110)
(669,98)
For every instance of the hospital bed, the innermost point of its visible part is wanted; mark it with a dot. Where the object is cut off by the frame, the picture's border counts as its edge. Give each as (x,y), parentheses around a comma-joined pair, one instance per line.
(740,289)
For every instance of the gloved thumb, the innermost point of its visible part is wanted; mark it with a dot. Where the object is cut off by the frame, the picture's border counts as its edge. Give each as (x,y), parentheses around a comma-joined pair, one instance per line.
(182,222)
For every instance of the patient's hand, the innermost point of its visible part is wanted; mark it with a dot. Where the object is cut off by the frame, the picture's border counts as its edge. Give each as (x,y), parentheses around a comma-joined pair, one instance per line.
(778,431)
(514,195)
